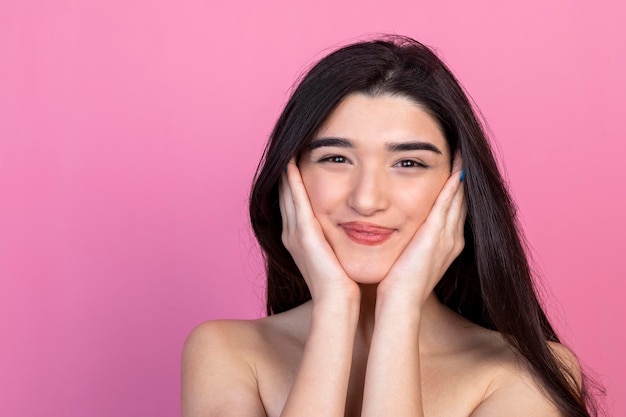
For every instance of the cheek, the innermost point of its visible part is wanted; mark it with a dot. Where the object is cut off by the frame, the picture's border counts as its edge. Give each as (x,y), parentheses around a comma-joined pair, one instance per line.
(320,192)
(316,198)
(417,203)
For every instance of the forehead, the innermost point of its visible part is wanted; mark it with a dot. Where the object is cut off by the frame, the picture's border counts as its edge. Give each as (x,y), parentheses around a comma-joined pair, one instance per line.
(370,121)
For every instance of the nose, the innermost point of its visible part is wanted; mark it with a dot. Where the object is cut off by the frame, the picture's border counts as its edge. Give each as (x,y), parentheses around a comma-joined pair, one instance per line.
(369,192)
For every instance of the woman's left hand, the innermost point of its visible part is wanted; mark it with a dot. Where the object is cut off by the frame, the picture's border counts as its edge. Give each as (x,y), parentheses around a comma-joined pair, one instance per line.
(436,243)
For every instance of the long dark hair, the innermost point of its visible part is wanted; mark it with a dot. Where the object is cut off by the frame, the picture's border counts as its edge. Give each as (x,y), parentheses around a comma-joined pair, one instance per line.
(490,283)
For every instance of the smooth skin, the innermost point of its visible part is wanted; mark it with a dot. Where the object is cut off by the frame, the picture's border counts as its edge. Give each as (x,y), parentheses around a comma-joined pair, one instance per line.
(374,340)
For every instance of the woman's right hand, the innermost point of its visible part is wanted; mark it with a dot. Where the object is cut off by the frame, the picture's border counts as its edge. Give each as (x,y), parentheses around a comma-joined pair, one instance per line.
(321,385)
(303,237)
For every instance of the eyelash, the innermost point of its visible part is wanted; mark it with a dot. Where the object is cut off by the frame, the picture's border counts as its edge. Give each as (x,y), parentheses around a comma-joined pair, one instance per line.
(414,164)
(333,159)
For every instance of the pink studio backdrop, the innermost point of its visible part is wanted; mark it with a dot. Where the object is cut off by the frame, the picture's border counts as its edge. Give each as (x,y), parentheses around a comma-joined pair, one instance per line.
(130,131)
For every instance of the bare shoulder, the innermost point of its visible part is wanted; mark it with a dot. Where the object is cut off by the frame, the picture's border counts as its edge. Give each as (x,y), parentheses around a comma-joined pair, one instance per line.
(515,391)
(568,361)
(220,365)
(223,336)
(217,376)
(243,340)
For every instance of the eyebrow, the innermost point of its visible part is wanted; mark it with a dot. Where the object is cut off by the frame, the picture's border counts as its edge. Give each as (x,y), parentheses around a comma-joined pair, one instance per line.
(389,146)
(334,142)
(412,146)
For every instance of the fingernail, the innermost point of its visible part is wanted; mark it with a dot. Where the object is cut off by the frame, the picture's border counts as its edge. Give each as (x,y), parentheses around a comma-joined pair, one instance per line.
(462,175)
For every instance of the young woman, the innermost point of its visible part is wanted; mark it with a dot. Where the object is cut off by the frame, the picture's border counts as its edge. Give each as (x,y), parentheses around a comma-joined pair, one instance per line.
(397,281)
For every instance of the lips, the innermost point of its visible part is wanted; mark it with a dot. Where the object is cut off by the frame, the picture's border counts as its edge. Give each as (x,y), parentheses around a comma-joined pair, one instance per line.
(366,233)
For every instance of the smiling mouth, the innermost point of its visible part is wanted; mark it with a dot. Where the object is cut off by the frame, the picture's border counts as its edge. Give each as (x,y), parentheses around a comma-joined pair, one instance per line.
(366,234)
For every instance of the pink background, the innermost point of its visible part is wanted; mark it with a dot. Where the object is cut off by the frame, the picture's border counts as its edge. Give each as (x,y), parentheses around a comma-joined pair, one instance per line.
(130,131)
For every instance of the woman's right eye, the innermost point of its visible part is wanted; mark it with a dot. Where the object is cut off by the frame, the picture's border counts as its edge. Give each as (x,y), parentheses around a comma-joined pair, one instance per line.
(337,159)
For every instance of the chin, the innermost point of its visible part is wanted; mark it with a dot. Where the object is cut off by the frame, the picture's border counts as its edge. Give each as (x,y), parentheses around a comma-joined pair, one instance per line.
(366,267)
(366,274)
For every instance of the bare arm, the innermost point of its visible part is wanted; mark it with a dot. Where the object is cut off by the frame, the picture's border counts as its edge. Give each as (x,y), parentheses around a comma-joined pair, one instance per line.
(218,379)
(393,383)
(321,384)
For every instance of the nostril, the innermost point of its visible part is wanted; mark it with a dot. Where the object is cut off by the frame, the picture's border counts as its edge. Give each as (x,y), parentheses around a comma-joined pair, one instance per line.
(368,197)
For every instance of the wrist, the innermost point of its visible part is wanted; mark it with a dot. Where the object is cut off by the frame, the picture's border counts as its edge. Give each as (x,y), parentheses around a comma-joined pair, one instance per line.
(345,304)
(406,295)
(398,303)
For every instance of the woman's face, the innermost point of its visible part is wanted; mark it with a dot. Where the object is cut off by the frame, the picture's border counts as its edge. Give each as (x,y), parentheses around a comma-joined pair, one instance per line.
(372,174)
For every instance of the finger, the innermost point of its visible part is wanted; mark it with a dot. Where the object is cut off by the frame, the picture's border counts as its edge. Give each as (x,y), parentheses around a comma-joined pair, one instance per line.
(458,209)
(287,208)
(452,186)
(298,192)
(443,203)
(458,167)
(457,163)
(459,229)
(463,216)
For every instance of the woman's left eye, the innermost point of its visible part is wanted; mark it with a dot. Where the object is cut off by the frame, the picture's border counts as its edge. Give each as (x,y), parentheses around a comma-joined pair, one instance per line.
(410,163)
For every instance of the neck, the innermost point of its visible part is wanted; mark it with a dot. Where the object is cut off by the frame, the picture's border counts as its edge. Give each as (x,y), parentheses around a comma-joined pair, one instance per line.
(435,318)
